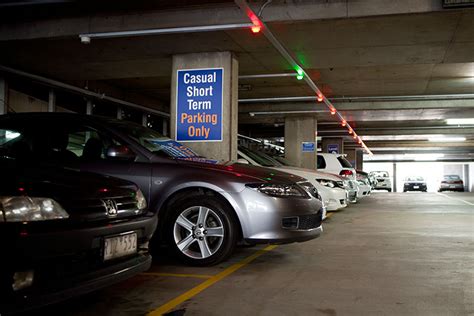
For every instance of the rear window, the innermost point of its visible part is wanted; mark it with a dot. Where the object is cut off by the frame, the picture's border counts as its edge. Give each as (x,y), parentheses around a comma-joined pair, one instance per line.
(380,174)
(452,177)
(321,163)
(344,162)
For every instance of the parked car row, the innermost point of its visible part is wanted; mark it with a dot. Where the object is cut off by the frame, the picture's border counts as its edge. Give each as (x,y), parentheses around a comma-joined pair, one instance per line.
(336,180)
(84,198)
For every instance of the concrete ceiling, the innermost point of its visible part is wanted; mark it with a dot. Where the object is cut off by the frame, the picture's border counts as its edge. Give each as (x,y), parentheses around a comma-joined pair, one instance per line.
(350,49)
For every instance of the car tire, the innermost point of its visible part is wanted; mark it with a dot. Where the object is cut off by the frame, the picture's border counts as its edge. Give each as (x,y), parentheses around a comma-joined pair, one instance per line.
(189,228)
(389,190)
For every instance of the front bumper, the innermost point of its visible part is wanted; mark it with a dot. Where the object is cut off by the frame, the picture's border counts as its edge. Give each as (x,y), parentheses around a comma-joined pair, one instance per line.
(68,263)
(261,217)
(337,200)
(452,187)
(415,187)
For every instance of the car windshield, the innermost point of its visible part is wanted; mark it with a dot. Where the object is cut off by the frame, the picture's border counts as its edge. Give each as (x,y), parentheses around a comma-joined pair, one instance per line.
(415,179)
(344,162)
(451,177)
(260,158)
(155,142)
(380,174)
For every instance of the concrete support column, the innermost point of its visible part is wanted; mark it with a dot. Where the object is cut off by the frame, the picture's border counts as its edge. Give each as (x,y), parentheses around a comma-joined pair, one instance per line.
(466,179)
(52,101)
(332,145)
(226,149)
(394,177)
(356,158)
(89,107)
(165,127)
(3,96)
(299,130)
(144,119)
(119,113)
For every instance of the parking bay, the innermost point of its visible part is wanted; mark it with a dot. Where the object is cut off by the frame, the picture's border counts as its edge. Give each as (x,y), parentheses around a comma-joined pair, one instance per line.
(390,254)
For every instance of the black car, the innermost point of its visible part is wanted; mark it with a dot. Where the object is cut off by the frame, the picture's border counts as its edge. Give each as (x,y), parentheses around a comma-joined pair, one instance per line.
(65,233)
(414,184)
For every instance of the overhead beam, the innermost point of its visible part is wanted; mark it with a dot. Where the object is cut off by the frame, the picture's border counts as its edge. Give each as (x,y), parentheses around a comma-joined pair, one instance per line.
(215,14)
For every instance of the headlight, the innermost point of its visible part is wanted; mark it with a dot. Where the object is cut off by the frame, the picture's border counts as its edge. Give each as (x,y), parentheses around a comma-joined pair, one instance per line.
(326,183)
(29,209)
(141,201)
(279,190)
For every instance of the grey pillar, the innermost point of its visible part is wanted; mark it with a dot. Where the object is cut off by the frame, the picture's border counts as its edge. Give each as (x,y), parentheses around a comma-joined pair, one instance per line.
(299,130)
(144,119)
(359,159)
(3,96)
(89,107)
(466,178)
(119,113)
(227,148)
(52,101)
(165,127)
(351,156)
(394,177)
(332,145)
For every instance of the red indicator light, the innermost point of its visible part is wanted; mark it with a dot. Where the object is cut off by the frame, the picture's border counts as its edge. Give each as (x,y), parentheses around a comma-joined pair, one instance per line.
(333,111)
(359,141)
(350,131)
(343,123)
(355,136)
(320,97)
(23,233)
(256,29)
(104,190)
(21,189)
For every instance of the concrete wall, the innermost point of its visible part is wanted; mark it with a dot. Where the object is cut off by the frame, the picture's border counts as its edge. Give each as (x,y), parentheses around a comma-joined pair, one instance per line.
(20,102)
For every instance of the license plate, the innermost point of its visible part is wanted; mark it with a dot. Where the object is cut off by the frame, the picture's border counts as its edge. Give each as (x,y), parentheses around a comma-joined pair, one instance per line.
(452,186)
(416,187)
(119,246)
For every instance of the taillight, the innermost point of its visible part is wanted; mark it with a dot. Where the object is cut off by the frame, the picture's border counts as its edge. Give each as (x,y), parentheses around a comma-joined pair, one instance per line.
(346,173)
(444,181)
(458,182)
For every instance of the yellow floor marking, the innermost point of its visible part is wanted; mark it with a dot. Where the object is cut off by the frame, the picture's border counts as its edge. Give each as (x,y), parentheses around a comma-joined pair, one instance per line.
(456,199)
(329,215)
(204,285)
(179,275)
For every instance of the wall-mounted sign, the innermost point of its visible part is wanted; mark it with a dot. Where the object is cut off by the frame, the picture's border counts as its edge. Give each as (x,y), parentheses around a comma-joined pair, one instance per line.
(333,148)
(308,147)
(199,95)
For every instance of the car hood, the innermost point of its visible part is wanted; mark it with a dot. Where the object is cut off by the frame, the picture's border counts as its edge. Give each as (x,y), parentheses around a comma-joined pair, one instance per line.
(243,170)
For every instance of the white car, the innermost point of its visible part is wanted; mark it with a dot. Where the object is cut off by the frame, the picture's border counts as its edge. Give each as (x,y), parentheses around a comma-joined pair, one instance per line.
(339,165)
(330,187)
(364,188)
(383,180)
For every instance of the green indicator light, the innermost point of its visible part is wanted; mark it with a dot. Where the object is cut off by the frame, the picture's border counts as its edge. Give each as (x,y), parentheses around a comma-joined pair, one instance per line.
(272,174)
(269,179)
(300,73)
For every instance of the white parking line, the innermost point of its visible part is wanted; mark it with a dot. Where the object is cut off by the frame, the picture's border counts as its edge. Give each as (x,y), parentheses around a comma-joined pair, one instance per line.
(453,198)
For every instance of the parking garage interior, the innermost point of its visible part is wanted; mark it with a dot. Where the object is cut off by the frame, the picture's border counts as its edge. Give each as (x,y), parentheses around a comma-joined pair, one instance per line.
(389,85)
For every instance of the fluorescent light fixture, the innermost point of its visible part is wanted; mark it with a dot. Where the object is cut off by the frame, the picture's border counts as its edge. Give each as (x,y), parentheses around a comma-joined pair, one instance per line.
(463,121)
(424,156)
(447,139)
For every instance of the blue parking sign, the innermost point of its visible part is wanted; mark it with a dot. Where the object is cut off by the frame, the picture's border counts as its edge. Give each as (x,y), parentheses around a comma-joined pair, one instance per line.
(199,97)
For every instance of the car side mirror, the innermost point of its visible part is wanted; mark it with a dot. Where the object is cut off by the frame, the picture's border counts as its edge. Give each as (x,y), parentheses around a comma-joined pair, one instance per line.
(120,153)
(242,161)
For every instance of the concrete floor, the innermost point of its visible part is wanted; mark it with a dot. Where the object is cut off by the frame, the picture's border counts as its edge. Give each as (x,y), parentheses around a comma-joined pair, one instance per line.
(391,254)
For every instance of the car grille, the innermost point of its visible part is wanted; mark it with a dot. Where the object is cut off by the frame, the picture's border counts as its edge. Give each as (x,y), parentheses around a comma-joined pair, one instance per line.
(303,222)
(103,209)
(310,189)
(310,221)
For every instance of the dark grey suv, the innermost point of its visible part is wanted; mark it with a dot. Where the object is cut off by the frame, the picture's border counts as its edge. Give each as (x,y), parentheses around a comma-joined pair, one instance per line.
(204,207)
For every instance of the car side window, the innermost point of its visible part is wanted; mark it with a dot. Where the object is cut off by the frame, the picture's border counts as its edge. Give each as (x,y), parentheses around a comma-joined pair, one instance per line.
(13,145)
(321,163)
(89,144)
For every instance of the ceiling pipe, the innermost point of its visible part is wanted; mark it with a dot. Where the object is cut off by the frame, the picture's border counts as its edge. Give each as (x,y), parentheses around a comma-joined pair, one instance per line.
(87,37)
(259,76)
(85,92)
(243,5)
(433,97)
